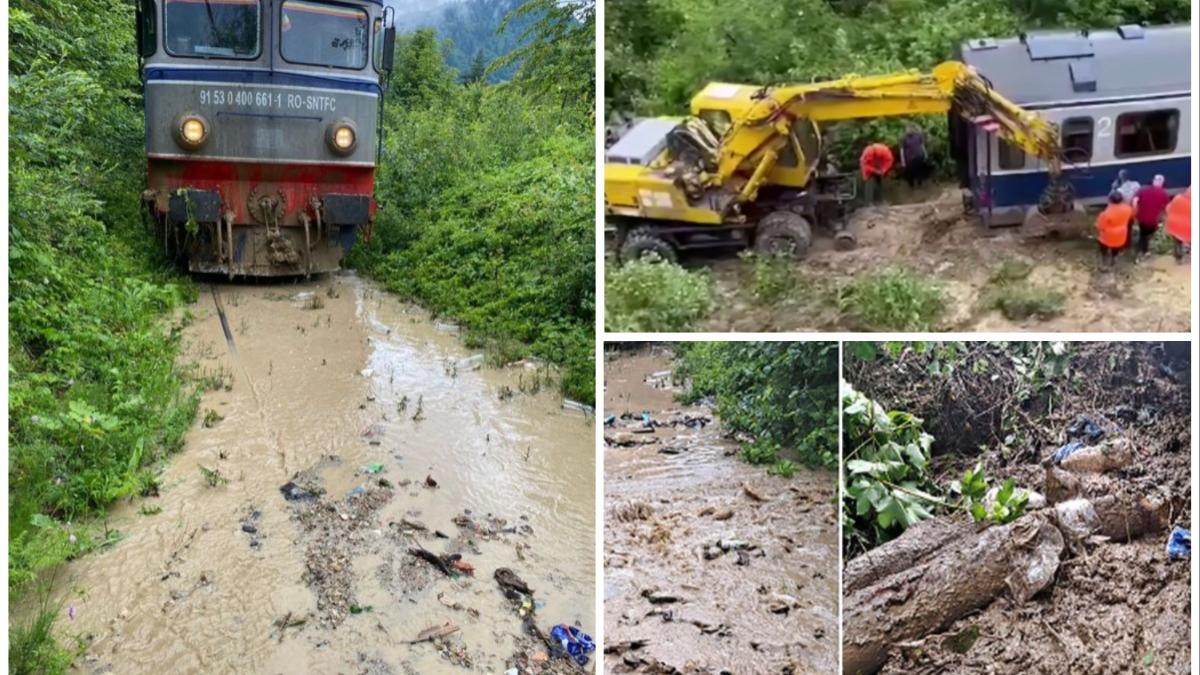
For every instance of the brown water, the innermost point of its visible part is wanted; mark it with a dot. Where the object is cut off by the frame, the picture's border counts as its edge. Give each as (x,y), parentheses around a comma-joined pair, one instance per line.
(772,607)
(314,383)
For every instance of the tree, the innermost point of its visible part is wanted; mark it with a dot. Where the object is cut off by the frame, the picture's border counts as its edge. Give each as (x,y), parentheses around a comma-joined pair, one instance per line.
(558,56)
(478,70)
(421,74)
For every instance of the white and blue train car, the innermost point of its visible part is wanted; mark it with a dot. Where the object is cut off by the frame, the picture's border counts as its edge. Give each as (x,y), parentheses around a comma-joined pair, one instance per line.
(1121,99)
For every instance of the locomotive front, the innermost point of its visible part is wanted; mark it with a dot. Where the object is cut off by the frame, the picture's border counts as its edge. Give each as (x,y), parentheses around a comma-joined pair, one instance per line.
(262,128)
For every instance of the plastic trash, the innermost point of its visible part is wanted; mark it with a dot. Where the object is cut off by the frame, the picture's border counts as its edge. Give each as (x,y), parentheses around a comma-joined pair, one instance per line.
(1066,451)
(445,327)
(356,491)
(647,421)
(577,643)
(1086,428)
(473,362)
(1179,546)
(373,468)
(568,404)
(611,420)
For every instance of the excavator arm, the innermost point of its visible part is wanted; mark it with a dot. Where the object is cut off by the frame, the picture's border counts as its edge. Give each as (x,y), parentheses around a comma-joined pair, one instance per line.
(755,140)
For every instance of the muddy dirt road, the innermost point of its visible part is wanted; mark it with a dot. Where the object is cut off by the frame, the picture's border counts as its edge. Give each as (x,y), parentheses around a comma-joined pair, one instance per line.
(362,402)
(710,564)
(933,240)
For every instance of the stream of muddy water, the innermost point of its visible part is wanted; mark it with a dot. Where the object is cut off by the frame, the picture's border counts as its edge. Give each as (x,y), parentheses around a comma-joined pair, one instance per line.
(363,402)
(710,564)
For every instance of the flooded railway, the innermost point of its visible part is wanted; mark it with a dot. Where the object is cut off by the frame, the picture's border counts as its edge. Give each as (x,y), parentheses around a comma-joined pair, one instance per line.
(349,430)
(710,564)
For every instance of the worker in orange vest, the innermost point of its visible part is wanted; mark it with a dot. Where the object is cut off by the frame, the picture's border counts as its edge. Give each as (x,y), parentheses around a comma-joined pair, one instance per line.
(1112,228)
(1179,224)
(875,162)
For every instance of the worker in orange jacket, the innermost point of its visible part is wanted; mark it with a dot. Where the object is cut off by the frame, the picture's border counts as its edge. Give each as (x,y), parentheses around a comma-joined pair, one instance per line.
(1179,224)
(1112,228)
(876,161)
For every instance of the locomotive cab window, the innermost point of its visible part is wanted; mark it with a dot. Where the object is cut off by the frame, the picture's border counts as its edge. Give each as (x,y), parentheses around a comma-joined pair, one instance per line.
(1152,132)
(324,34)
(1077,134)
(228,29)
(377,45)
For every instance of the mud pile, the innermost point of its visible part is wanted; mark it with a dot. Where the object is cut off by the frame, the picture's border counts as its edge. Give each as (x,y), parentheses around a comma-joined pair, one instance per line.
(1113,600)
(710,564)
(933,239)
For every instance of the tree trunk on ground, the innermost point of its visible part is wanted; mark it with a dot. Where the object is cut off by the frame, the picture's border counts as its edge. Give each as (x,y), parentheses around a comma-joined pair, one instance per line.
(954,575)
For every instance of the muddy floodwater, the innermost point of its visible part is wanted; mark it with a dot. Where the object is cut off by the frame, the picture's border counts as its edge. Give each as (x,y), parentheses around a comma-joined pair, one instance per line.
(710,564)
(933,240)
(393,438)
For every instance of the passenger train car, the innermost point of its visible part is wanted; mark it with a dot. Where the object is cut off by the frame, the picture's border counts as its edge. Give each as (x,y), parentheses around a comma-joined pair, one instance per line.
(1121,98)
(262,129)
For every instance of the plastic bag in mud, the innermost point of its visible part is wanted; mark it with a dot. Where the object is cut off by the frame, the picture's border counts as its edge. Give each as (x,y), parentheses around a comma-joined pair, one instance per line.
(1179,546)
(1036,561)
(1077,518)
(574,641)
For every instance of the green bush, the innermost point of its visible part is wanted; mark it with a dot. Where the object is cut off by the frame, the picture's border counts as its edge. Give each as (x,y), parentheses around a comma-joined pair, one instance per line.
(887,485)
(654,296)
(781,393)
(774,277)
(95,396)
(1022,300)
(488,211)
(893,300)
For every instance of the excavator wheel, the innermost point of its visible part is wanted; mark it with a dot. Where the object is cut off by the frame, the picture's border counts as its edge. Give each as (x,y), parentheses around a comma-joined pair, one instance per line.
(643,242)
(845,241)
(783,233)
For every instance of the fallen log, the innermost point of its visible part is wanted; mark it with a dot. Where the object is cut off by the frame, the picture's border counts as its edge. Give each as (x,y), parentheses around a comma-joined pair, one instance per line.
(918,542)
(969,572)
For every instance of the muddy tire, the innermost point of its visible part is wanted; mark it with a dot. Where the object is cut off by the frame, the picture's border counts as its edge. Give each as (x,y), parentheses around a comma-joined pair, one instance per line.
(644,243)
(783,233)
(845,241)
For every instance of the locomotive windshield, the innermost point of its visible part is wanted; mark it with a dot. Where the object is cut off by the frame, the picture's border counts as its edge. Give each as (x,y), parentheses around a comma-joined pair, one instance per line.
(324,34)
(212,28)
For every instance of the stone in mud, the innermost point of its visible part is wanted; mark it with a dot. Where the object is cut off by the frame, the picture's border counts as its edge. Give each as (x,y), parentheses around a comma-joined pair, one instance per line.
(293,492)
(657,597)
(1109,455)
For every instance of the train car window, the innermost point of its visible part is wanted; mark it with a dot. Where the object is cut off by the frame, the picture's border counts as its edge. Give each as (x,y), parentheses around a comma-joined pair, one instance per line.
(324,34)
(1009,156)
(1151,132)
(212,29)
(1077,139)
(149,28)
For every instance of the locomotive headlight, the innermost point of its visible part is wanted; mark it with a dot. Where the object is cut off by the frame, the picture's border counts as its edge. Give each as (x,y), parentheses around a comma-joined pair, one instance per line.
(342,137)
(191,132)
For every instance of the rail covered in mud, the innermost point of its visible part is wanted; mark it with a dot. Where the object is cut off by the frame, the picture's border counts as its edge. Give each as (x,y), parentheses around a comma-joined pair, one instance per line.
(364,494)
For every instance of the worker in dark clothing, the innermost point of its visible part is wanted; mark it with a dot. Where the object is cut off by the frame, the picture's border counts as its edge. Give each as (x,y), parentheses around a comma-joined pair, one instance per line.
(914,161)
(876,161)
(1150,203)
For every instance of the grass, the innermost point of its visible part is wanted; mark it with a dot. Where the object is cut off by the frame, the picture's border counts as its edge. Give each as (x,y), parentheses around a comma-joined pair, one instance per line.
(773,278)
(654,296)
(1014,296)
(893,300)
(33,649)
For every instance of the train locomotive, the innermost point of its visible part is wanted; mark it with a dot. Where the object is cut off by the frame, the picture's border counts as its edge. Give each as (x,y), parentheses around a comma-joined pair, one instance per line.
(263,129)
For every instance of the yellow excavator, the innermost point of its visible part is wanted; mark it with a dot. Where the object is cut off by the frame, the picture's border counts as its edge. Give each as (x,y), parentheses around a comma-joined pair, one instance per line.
(748,167)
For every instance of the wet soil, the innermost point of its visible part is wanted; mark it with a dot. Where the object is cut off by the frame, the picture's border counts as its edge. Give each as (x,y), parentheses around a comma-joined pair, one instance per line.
(388,437)
(933,239)
(711,565)
(1112,607)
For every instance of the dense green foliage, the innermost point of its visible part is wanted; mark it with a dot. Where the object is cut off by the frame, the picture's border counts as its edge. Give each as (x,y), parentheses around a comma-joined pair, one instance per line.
(487,195)
(893,300)
(467,32)
(781,393)
(654,297)
(887,482)
(658,53)
(94,393)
